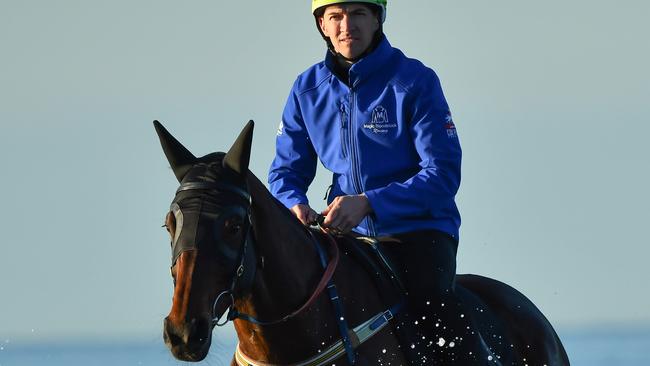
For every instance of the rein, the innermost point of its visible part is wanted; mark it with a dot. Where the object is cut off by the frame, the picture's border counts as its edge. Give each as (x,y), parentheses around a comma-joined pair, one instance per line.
(322,284)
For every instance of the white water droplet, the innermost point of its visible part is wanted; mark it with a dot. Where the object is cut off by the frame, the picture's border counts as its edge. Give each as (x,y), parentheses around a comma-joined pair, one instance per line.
(415,322)
(441,342)
(451,344)
(383,350)
(342,318)
(490,358)
(412,346)
(462,315)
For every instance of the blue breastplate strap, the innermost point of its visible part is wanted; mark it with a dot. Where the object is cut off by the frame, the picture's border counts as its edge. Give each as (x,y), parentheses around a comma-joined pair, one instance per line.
(338,306)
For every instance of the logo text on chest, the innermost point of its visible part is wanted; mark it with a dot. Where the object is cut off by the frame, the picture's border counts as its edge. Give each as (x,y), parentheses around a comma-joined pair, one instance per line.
(379,122)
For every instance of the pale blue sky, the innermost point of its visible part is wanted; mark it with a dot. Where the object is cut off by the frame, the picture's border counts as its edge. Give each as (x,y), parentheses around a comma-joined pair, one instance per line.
(550,99)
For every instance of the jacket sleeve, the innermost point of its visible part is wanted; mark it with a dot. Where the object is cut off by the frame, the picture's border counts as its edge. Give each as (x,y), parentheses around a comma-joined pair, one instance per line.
(294,165)
(433,188)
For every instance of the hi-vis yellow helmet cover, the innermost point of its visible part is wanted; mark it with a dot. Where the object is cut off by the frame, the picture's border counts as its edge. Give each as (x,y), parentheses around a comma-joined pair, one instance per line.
(317,4)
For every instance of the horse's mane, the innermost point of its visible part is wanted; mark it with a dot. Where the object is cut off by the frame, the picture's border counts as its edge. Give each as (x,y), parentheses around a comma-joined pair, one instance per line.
(266,204)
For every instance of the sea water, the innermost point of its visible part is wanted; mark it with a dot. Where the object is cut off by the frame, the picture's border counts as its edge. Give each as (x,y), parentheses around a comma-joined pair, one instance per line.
(585,348)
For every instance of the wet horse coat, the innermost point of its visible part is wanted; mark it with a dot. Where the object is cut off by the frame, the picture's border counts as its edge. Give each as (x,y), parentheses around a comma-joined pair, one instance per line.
(284,270)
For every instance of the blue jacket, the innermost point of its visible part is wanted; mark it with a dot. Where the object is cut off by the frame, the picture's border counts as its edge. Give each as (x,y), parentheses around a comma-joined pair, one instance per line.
(389,136)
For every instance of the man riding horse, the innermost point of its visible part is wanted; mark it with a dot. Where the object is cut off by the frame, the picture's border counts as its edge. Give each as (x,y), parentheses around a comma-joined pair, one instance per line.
(380,123)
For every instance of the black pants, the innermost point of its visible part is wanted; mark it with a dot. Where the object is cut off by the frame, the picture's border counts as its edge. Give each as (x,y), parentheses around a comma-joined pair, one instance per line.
(433,327)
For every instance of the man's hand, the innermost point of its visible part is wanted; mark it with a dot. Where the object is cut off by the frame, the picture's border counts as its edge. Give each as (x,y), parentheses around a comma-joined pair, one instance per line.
(304,213)
(346,212)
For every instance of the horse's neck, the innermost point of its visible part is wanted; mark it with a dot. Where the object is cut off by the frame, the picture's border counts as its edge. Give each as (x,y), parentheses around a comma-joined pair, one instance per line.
(290,259)
(286,279)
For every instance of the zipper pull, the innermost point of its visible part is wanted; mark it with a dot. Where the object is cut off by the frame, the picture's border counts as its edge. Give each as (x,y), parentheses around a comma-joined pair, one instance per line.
(344,120)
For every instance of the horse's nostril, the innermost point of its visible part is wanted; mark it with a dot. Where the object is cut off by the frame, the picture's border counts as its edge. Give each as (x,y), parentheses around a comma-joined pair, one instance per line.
(170,334)
(172,338)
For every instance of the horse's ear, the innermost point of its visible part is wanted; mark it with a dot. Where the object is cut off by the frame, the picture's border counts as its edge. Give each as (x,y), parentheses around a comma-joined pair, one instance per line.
(239,154)
(180,159)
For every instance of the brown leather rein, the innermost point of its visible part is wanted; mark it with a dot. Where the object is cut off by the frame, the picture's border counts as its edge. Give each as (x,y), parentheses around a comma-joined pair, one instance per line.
(322,284)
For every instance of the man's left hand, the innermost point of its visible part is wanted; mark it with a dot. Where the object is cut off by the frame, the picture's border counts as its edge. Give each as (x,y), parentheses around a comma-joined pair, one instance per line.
(346,212)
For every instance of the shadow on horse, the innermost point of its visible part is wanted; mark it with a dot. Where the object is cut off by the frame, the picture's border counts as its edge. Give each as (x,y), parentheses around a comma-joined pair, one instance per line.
(238,254)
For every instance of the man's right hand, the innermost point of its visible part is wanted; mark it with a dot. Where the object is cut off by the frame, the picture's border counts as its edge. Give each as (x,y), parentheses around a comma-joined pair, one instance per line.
(304,213)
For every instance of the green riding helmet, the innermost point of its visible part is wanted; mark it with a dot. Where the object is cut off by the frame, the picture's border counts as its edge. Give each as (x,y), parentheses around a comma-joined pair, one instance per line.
(317,4)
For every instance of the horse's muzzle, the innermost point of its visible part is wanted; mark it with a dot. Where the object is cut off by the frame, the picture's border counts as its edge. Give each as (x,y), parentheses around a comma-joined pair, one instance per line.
(189,340)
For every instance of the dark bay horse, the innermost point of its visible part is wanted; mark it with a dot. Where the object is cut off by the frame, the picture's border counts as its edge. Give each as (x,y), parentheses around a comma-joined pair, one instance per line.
(236,249)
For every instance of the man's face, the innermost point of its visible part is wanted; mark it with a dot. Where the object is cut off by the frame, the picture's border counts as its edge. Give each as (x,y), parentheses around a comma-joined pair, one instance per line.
(350,28)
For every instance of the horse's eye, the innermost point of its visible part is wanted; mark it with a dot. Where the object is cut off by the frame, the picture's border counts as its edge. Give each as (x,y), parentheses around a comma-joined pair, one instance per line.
(166,222)
(170,224)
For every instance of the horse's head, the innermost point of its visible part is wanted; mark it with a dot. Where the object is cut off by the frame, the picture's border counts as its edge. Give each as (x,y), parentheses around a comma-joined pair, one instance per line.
(212,253)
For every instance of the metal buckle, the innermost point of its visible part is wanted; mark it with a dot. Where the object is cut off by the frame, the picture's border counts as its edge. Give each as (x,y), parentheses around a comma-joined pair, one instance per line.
(215,321)
(388,315)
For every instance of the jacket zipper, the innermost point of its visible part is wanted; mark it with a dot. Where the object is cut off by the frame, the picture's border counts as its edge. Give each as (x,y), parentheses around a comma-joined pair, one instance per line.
(344,131)
(354,159)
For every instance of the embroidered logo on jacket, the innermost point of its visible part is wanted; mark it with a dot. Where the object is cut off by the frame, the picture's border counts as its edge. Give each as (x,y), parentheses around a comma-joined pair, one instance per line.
(379,122)
(449,126)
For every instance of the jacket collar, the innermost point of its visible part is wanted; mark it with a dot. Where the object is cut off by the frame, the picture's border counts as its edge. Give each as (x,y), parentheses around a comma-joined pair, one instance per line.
(368,65)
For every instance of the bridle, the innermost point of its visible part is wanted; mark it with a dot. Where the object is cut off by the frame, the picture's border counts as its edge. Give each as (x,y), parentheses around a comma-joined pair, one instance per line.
(244,275)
